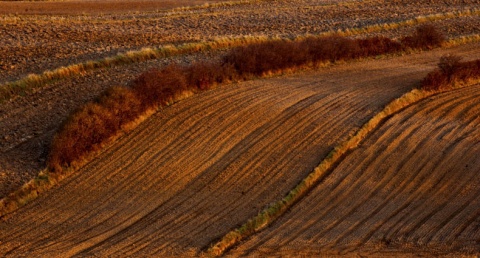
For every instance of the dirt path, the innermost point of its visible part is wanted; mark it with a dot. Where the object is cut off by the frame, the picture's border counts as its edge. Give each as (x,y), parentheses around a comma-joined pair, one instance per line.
(203,166)
(412,188)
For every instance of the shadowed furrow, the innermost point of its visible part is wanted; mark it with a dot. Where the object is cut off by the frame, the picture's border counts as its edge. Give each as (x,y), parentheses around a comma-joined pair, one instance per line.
(412,187)
(202,166)
(197,168)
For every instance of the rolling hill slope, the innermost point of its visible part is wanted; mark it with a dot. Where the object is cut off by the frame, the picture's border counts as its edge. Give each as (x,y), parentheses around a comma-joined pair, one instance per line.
(412,187)
(205,165)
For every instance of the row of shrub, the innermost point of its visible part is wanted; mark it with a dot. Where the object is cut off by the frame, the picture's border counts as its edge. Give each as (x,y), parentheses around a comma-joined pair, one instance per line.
(91,126)
(450,72)
(260,58)
(96,122)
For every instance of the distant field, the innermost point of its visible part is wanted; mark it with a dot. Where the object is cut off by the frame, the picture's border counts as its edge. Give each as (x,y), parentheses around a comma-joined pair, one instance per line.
(84,7)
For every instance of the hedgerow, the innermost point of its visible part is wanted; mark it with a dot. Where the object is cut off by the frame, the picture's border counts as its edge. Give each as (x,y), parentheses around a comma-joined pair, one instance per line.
(93,125)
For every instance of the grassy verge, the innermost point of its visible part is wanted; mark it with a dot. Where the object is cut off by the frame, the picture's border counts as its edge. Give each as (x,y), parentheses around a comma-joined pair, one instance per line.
(277,209)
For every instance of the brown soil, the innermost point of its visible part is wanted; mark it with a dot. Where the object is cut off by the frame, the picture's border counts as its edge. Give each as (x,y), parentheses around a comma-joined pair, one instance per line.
(33,44)
(88,7)
(412,187)
(203,166)
(27,124)
(207,164)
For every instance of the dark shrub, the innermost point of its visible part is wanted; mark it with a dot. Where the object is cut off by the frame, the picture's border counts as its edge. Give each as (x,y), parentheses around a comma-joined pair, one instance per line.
(378,46)
(82,134)
(425,37)
(449,64)
(451,70)
(159,87)
(204,75)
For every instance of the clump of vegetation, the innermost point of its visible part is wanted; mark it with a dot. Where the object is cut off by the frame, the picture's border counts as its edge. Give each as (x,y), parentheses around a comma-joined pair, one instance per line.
(261,58)
(425,37)
(90,127)
(451,71)
(94,124)
(258,59)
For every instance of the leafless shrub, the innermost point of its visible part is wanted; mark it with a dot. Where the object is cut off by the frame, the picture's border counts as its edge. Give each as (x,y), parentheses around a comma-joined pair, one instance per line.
(451,71)
(448,64)
(425,37)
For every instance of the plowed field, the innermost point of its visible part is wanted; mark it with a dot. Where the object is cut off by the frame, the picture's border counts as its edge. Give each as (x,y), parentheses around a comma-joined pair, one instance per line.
(411,188)
(39,36)
(205,165)
(201,167)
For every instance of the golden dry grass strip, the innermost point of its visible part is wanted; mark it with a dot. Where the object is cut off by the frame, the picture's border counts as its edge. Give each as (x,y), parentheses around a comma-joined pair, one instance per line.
(33,81)
(277,209)
(406,23)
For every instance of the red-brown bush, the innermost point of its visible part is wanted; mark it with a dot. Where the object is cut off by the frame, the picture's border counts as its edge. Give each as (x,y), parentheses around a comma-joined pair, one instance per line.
(332,48)
(90,126)
(159,87)
(425,37)
(256,59)
(450,71)
(260,58)
(378,46)
(204,75)
(81,135)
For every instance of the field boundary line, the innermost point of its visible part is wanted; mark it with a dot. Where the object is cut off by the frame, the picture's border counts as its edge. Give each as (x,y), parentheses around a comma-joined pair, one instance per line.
(27,84)
(267,216)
